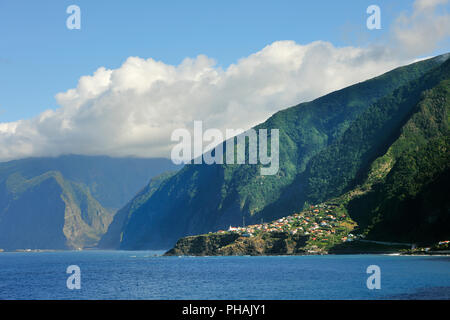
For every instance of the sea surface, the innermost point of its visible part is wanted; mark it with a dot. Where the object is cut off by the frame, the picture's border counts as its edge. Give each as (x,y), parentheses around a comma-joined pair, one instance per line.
(142,275)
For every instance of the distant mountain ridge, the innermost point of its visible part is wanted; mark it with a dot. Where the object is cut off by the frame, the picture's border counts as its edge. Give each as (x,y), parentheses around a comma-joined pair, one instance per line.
(67,202)
(378,149)
(405,194)
(112,181)
(110,240)
(327,147)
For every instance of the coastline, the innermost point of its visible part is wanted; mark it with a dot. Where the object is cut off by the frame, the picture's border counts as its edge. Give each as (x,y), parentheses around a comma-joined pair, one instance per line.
(279,244)
(387,253)
(286,244)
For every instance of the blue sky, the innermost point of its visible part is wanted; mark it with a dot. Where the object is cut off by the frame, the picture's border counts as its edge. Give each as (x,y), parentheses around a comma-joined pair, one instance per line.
(138,70)
(40,57)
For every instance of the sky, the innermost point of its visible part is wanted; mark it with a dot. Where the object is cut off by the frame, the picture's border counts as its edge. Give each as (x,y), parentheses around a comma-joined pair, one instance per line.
(136,70)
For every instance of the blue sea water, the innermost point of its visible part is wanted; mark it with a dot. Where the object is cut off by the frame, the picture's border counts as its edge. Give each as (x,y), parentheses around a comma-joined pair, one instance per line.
(141,275)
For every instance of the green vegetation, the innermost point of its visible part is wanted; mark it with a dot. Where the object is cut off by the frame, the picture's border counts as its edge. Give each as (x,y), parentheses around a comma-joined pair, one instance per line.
(112,181)
(409,201)
(342,164)
(49,212)
(327,149)
(113,236)
(323,226)
(231,243)
(65,202)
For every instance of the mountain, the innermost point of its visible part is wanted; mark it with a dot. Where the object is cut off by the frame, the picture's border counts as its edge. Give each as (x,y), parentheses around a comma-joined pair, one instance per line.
(69,201)
(327,147)
(112,181)
(231,244)
(113,236)
(405,194)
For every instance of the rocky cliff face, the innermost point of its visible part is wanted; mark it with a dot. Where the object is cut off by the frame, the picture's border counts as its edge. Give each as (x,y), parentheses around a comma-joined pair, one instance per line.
(66,202)
(229,244)
(111,239)
(327,147)
(49,212)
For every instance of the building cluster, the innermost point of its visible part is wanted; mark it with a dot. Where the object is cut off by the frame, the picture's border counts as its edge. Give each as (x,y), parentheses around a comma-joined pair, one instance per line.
(319,221)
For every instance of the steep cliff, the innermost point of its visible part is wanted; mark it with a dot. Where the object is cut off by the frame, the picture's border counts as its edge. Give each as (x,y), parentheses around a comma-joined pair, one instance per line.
(67,202)
(231,244)
(327,147)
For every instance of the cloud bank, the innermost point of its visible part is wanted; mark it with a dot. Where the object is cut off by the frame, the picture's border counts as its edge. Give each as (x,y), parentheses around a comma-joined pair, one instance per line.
(132,110)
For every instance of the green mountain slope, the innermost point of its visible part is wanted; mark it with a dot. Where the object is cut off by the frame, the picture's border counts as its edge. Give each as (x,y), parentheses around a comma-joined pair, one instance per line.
(405,194)
(48,212)
(66,202)
(325,146)
(344,162)
(112,181)
(114,235)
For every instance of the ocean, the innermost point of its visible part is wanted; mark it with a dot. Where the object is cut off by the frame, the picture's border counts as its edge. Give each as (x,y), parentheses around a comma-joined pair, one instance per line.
(147,275)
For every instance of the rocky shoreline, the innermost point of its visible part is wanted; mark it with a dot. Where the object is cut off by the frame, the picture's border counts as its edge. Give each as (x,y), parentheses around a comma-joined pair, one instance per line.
(279,243)
(233,244)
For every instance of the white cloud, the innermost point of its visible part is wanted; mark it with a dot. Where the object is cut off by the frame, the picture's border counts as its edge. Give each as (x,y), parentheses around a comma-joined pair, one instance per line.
(133,110)
(423,30)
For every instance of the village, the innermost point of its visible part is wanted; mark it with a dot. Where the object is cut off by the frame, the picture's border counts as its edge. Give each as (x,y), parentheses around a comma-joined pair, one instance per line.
(326,224)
